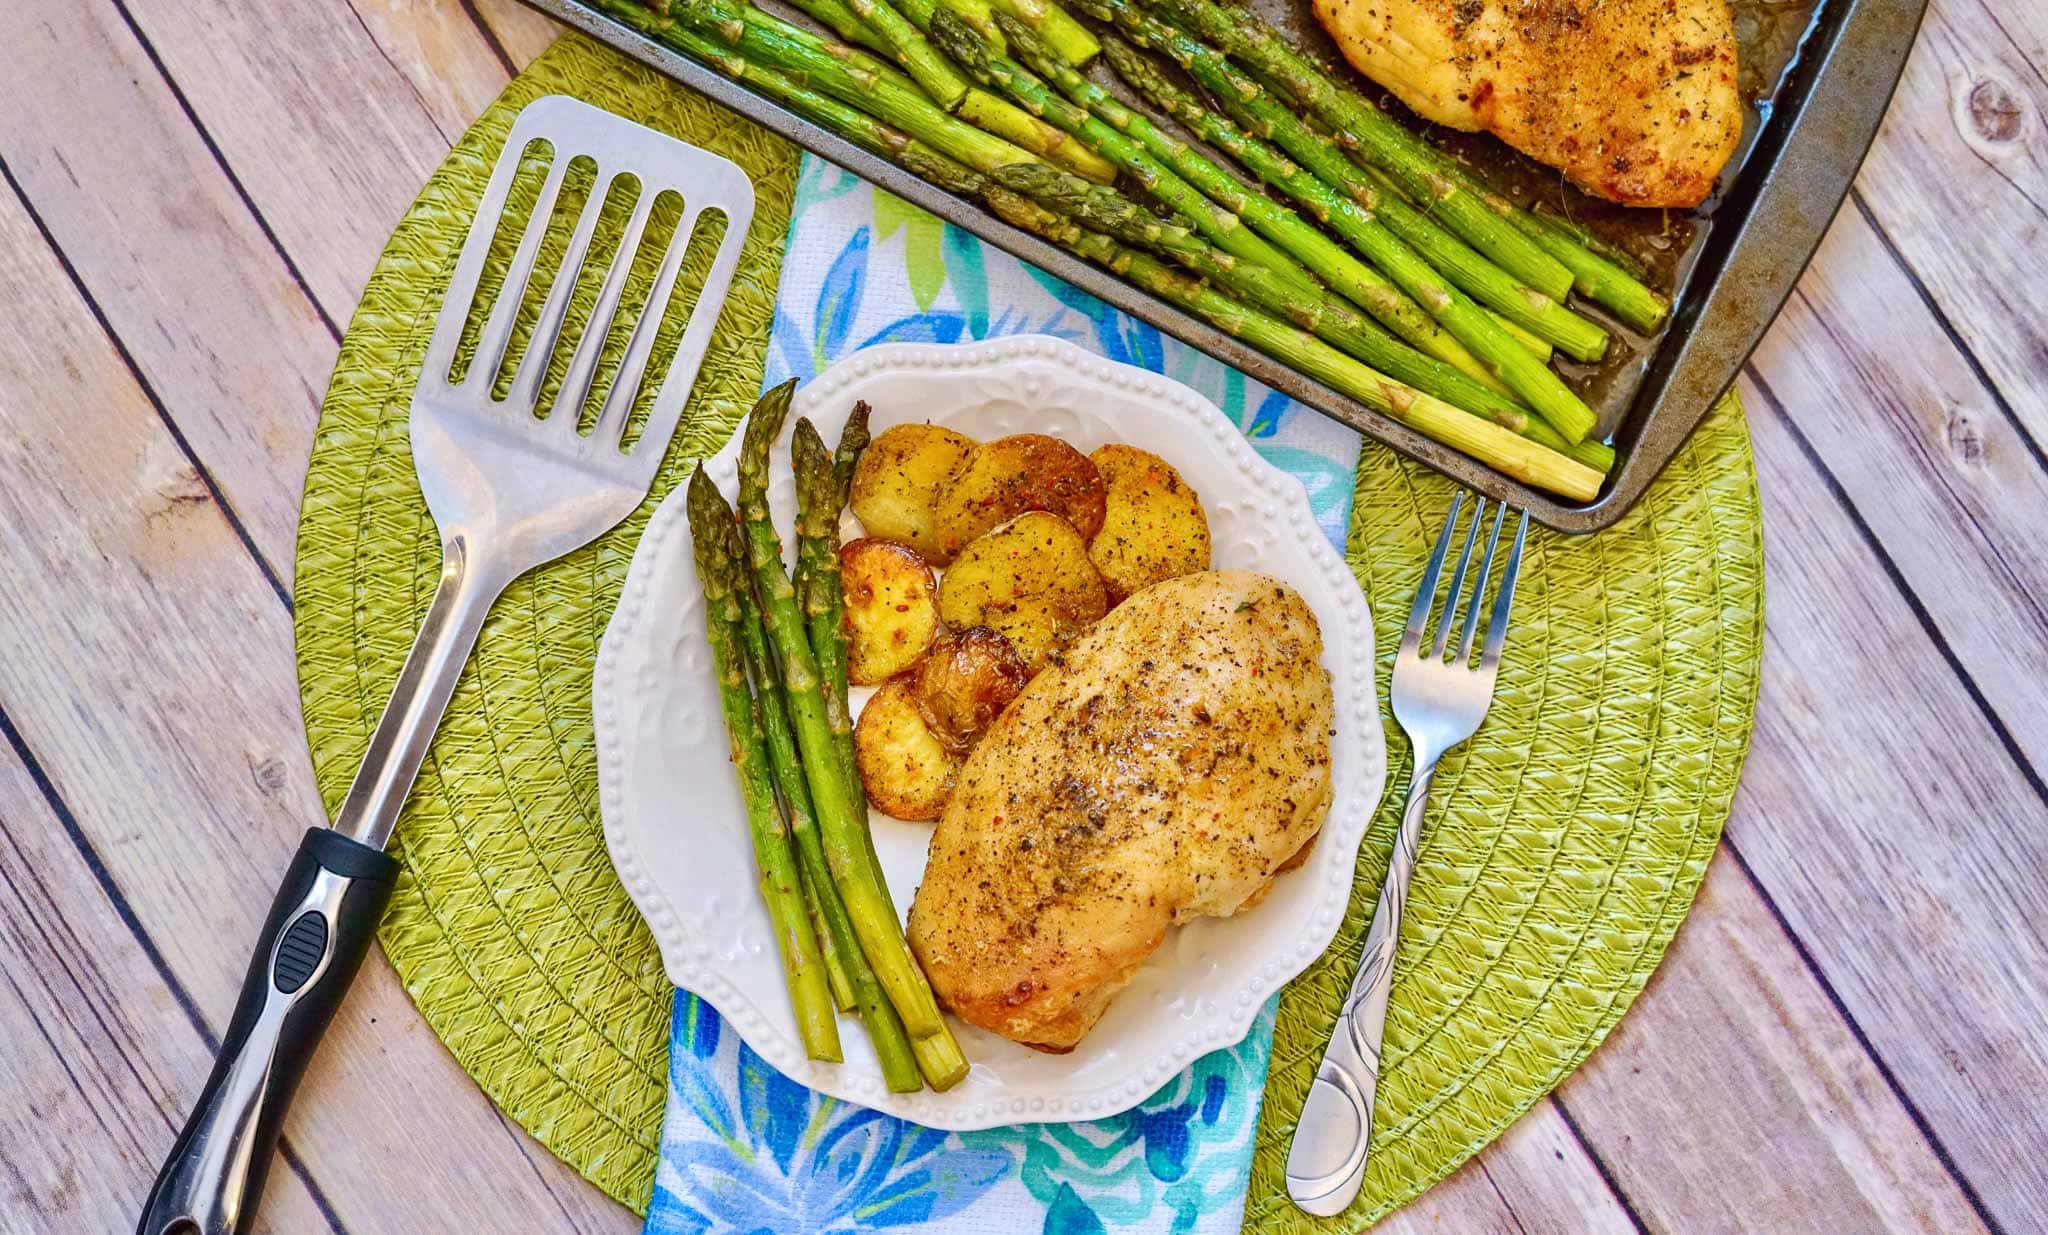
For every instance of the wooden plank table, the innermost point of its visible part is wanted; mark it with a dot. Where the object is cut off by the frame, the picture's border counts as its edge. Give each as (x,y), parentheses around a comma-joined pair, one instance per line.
(1850,1035)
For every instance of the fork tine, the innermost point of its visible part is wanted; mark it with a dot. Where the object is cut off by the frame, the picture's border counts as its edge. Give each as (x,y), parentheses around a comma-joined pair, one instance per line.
(582,371)
(1457,590)
(540,349)
(1425,591)
(1500,514)
(618,404)
(497,332)
(1497,624)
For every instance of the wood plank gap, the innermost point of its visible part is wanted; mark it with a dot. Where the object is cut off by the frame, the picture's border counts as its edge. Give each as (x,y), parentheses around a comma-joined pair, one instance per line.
(490,37)
(2018,48)
(1502,1197)
(234,182)
(426,108)
(1621,1198)
(63,1060)
(104,878)
(126,912)
(1905,589)
(520,1142)
(101,996)
(1941,318)
(1891,1080)
(149,392)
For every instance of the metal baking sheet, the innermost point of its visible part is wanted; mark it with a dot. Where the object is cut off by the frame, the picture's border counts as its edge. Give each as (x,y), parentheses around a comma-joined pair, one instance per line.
(1812,119)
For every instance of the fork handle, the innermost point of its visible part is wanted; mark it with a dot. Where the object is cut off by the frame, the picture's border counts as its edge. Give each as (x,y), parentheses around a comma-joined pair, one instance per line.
(1326,1161)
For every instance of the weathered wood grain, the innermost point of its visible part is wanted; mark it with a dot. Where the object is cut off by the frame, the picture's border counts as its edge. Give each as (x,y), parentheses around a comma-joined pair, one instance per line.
(1958,178)
(1919,448)
(97,1050)
(326,132)
(443,52)
(151,224)
(1536,1178)
(1903,843)
(1732,1097)
(522,31)
(161,702)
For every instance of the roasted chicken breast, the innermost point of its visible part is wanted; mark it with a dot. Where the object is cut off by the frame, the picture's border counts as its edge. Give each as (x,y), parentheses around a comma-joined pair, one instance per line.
(1634,100)
(1168,766)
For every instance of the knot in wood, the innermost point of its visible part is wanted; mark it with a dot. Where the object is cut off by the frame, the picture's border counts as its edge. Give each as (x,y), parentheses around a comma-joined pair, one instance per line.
(1995,111)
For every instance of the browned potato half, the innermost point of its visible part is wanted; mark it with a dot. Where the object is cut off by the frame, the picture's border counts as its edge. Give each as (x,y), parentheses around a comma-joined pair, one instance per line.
(904,768)
(892,611)
(1004,478)
(1153,527)
(1030,580)
(966,682)
(896,485)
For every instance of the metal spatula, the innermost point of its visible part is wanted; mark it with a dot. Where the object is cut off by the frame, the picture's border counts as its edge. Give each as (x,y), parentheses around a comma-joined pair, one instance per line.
(509,490)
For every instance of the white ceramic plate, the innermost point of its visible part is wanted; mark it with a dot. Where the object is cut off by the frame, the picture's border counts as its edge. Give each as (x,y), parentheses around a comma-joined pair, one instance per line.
(672,812)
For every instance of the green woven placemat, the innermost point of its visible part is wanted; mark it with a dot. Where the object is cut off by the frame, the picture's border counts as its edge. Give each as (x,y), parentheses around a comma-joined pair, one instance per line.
(1571,837)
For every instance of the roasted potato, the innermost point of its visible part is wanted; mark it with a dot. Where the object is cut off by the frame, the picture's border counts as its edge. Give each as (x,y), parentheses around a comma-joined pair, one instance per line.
(896,484)
(1030,579)
(1004,478)
(966,682)
(906,771)
(1153,527)
(892,610)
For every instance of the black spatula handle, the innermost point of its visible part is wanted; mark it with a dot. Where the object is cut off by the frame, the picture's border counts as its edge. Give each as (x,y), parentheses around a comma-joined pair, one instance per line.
(319,929)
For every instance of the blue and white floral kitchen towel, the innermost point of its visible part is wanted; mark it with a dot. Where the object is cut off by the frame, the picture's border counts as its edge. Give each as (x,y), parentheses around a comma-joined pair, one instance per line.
(744,1149)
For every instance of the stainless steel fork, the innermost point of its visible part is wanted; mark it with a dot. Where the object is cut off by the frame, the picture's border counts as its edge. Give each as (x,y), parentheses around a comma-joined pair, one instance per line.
(508,490)
(1439,701)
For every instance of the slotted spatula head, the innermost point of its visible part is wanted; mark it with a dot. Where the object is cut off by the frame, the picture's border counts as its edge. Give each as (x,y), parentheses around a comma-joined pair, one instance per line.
(533,467)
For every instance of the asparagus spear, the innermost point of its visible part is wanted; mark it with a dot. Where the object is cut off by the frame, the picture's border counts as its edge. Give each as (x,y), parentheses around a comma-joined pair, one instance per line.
(1541,349)
(803,578)
(1330,318)
(896,32)
(919,58)
(817,553)
(857,77)
(1597,277)
(819,503)
(1428,175)
(884,1028)
(1524,373)
(1600,272)
(1073,42)
(900,30)
(722,575)
(1373,135)
(1518,303)
(1138,153)
(1221,226)
(836,976)
(1586,238)
(835,15)
(1482,439)
(842,818)
(980,14)
(823,482)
